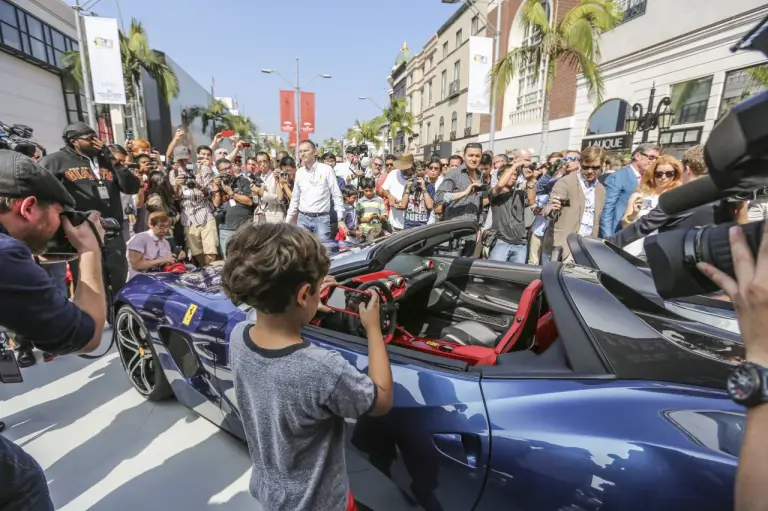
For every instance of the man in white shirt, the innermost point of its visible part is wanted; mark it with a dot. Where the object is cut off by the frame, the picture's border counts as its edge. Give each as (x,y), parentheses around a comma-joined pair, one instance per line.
(394,188)
(344,169)
(313,190)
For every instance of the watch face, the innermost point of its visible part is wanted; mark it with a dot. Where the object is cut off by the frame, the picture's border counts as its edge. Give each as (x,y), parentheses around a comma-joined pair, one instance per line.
(744,384)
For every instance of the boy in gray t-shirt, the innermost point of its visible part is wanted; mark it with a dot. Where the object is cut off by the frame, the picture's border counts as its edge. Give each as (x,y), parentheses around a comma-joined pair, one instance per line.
(293,396)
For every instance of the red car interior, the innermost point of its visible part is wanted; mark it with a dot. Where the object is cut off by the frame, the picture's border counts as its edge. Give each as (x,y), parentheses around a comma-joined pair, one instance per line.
(533,327)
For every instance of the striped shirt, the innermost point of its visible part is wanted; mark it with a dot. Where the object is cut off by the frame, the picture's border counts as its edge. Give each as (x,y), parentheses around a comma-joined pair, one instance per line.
(468,208)
(196,206)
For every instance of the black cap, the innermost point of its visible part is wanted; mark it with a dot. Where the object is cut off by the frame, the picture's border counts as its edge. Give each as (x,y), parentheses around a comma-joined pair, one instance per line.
(77,129)
(20,177)
(351,149)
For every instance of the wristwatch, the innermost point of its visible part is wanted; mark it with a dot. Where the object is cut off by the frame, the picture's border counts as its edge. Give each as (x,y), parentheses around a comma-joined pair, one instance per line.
(748,384)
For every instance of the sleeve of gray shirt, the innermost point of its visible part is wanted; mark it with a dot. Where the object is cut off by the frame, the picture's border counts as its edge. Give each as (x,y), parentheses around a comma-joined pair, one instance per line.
(354,393)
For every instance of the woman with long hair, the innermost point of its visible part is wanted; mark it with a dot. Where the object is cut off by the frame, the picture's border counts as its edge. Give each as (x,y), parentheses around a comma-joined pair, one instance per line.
(159,197)
(664,174)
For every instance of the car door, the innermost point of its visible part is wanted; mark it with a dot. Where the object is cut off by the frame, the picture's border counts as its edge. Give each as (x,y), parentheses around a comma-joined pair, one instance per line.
(431,451)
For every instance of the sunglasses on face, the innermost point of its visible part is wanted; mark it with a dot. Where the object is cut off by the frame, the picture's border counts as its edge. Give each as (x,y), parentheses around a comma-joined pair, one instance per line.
(651,157)
(572,158)
(444,165)
(435,167)
(376,164)
(669,175)
(594,168)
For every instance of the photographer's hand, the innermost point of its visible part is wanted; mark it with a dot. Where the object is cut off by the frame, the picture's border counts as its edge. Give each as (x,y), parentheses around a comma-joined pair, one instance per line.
(748,292)
(81,236)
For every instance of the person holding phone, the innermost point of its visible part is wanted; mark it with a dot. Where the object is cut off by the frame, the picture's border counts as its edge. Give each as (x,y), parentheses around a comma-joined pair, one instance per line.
(461,192)
(576,203)
(508,204)
(664,174)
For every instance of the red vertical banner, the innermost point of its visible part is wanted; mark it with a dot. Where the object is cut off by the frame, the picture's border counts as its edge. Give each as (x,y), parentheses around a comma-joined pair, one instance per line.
(307,113)
(292,138)
(288,111)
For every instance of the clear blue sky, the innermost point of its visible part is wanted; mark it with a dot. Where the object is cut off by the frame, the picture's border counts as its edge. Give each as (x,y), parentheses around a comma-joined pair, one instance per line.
(232,40)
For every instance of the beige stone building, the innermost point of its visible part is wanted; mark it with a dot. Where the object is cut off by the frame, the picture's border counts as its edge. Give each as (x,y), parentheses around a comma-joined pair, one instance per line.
(434,83)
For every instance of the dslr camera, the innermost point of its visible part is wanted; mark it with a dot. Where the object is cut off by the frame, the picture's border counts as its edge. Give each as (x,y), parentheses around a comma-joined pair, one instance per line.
(60,249)
(17,138)
(190,178)
(736,155)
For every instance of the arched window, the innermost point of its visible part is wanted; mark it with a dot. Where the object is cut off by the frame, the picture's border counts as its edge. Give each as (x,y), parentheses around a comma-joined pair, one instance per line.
(524,97)
(608,117)
(468,125)
(454,122)
(441,128)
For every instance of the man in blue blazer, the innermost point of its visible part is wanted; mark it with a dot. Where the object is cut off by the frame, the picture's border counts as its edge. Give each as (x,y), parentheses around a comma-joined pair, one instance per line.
(620,185)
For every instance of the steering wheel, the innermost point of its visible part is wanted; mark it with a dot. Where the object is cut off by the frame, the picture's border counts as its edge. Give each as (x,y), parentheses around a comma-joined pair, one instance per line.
(387,311)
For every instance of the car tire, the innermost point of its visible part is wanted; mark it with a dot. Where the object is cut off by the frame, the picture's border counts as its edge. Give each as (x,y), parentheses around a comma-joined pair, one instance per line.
(139,357)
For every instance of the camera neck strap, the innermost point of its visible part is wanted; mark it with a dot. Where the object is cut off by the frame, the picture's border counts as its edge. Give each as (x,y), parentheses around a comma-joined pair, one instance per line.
(107,290)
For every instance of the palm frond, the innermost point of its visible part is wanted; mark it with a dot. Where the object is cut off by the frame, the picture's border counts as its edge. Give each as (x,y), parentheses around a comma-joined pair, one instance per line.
(72,71)
(603,15)
(758,76)
(505,70)
(535,13)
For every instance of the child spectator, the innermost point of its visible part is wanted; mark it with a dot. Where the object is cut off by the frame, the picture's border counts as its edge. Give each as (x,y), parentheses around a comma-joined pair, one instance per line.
(293,395)
(349,193)
(371,210)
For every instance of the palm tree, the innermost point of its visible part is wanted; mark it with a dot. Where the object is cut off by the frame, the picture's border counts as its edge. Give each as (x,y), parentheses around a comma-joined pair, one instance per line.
(573,41)
(243,126)
(398,119)
(331,145)
(136,55)
(212,115)
(354,135)
(370,131)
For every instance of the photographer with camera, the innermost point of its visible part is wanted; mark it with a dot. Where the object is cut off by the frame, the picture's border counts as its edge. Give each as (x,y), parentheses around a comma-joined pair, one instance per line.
(233,202)
(84,166)
(285,179)
(33,204)
(576,202)
(192,188)
(271,208)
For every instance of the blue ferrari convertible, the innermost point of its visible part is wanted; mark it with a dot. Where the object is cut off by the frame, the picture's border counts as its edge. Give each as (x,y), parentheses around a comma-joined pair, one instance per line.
(563,387)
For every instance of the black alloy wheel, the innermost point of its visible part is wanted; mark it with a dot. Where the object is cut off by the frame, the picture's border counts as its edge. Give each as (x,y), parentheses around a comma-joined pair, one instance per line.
(138,356)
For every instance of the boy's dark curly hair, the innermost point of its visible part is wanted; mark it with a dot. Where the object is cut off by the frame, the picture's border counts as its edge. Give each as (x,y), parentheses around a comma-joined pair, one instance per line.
(267,264)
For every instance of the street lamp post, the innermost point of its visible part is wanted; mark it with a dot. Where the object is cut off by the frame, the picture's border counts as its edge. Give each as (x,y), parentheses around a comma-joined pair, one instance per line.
(496,49)
(297,87)
(650,120)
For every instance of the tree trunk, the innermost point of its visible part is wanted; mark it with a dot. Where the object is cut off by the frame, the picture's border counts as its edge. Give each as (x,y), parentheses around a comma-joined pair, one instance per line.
(545,107)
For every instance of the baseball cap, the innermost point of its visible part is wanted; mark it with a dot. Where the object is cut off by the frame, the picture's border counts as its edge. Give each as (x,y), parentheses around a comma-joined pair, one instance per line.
(181,153)
(77,129)
(20,177)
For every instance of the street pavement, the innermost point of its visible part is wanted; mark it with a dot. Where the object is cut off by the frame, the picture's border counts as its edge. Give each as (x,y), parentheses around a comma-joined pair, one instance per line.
(105,448)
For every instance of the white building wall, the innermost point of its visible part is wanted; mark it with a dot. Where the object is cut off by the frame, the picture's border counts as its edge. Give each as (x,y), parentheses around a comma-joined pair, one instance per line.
(32,96)
(29,94)
(697,53)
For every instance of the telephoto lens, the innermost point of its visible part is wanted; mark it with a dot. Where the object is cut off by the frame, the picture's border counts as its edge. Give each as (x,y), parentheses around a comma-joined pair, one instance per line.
(672,257)
(60,248)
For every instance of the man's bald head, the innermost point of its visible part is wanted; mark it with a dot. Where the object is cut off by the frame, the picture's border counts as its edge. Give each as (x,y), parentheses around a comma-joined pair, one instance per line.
(522,155)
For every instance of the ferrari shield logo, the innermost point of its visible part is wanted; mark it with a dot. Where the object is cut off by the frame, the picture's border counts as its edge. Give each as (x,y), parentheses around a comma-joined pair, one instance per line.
(189,315)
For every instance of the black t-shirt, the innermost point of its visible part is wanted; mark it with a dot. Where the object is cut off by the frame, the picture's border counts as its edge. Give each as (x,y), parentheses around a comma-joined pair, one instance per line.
(31,305)
(236,214)
(508,210)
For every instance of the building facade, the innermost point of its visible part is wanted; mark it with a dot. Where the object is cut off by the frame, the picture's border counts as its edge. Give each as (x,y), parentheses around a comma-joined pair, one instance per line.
(436,87)
(33,37)
(666,51)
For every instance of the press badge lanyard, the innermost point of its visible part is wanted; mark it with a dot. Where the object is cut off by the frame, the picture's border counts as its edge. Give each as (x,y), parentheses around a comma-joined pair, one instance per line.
(102,187)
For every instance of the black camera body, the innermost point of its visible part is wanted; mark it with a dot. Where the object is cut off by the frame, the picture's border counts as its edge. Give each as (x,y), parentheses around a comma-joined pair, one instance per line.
(190,179)
(255,180)
(17,138)
(226,180)
(61,249)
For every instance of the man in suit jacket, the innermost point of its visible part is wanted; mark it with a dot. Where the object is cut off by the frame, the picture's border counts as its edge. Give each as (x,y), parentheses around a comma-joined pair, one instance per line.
(620,185)
(576,202)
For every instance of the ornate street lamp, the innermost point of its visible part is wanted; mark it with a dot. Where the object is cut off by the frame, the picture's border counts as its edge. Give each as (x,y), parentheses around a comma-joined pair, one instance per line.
(650,120)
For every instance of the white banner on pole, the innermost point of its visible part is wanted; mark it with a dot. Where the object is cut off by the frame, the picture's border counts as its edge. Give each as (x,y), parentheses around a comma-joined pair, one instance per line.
(105,61)
(480,62)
